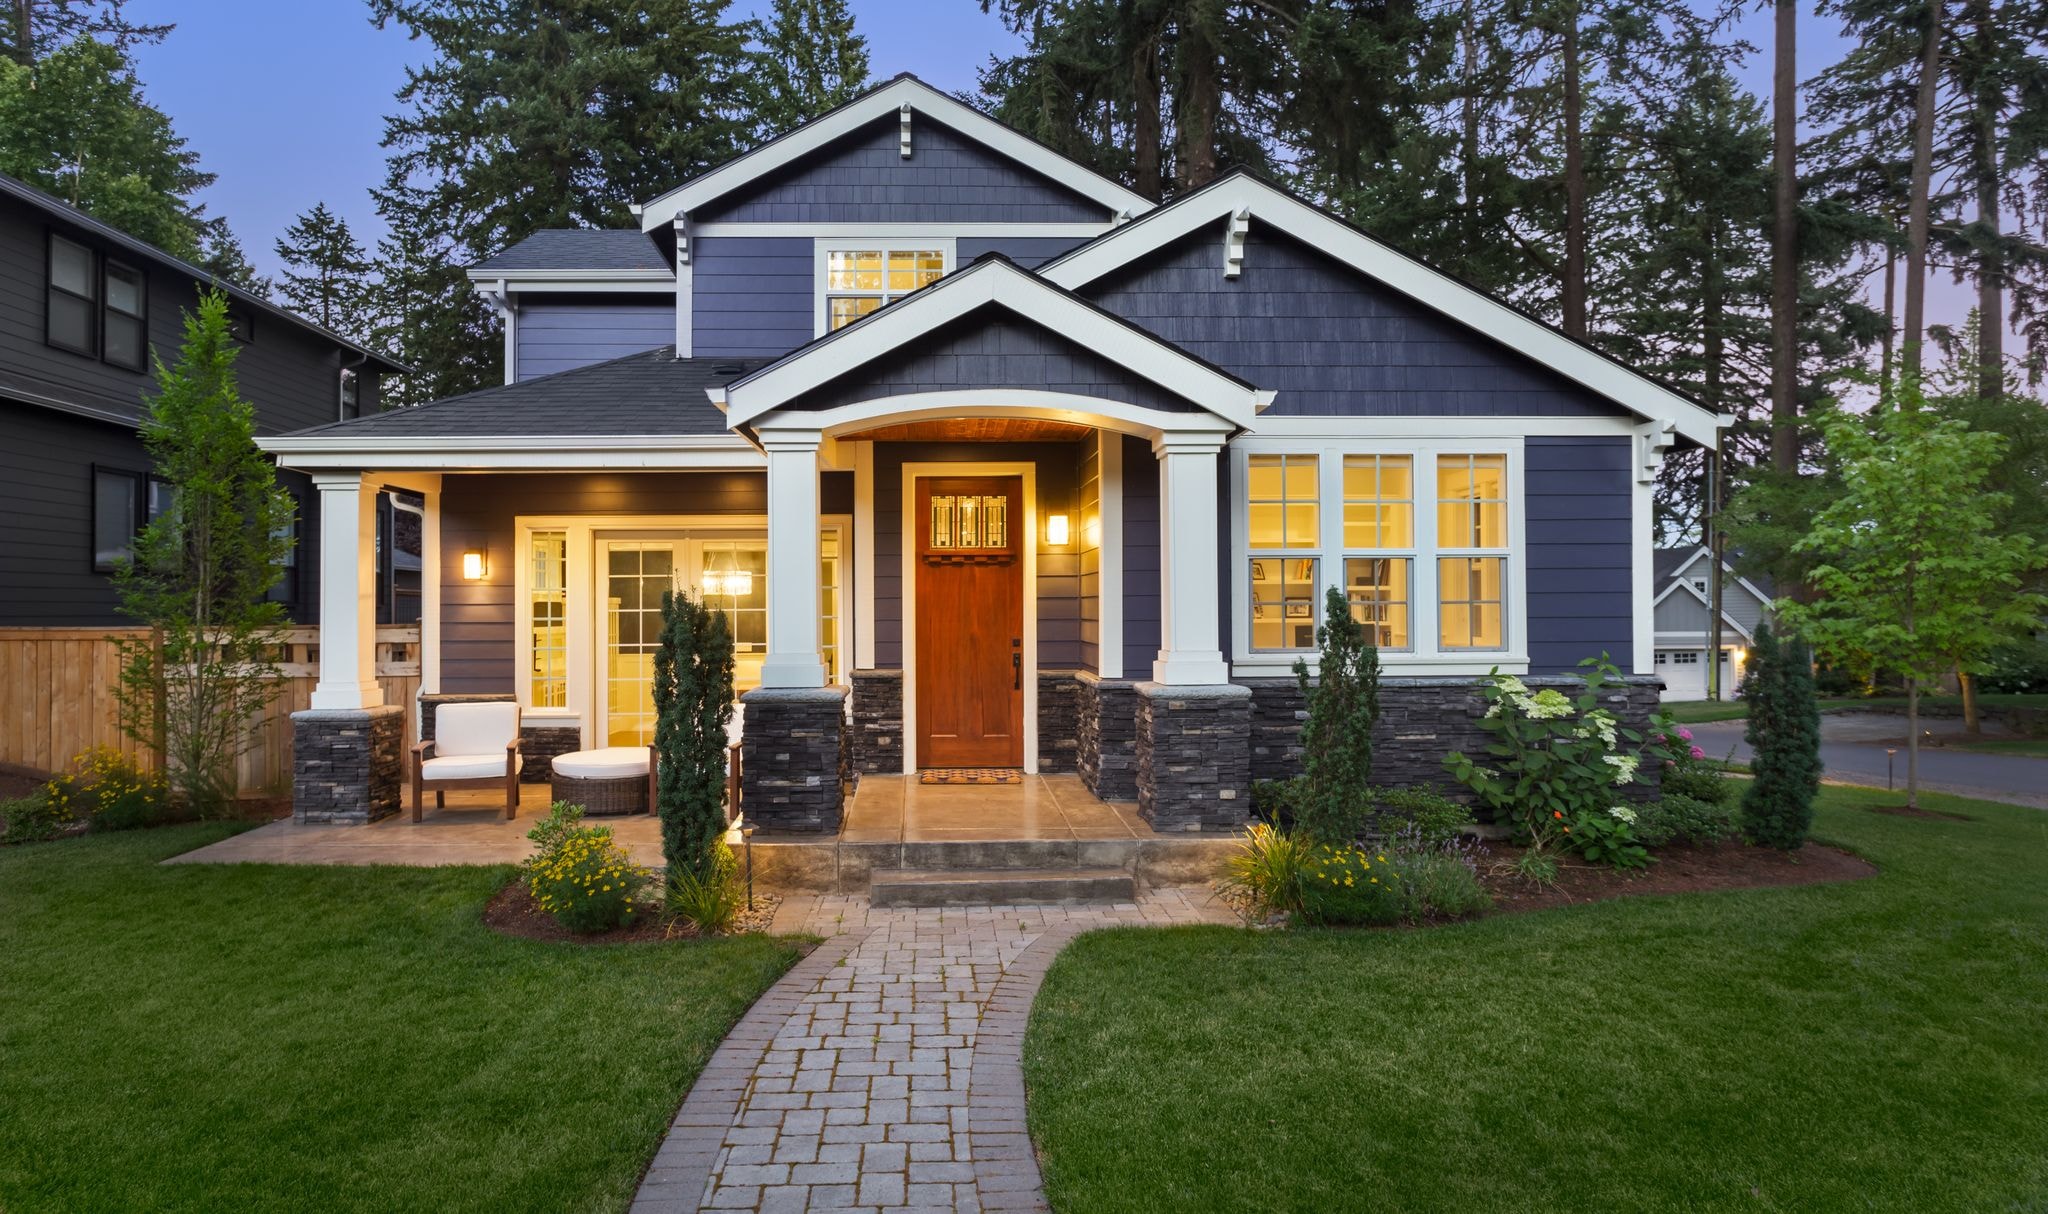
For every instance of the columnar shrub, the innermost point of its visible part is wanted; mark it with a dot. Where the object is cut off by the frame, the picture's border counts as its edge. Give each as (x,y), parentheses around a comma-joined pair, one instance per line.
(1343,705)
(1784,737)
(692,705)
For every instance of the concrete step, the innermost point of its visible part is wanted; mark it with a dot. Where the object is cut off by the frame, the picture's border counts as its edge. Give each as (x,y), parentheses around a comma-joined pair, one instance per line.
(999,887)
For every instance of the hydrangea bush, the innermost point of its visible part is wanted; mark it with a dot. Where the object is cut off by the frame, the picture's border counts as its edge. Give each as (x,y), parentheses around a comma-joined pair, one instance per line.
(1551,771)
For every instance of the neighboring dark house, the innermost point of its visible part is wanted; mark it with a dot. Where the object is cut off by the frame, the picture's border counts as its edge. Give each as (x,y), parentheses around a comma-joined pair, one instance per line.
(82,306)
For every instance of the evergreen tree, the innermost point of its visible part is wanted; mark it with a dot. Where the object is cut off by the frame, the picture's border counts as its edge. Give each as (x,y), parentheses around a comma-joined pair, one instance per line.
(326,275)
(810,61)
(424,312)
(1336,740)
(692,705)
(1783,731)
(55,23)
(203,570)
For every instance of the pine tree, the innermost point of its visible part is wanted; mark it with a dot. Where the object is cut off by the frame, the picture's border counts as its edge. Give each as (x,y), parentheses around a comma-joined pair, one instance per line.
(326,275)
(424,313)
(1336,740)
(1783,732)
(55,23)
(692,705)
(810,61)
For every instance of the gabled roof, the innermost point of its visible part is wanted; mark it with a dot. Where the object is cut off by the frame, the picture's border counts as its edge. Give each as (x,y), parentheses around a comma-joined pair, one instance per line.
(1241,193)
(580,249)
(880,102)
(993,281)
(52,205)
(1670,565)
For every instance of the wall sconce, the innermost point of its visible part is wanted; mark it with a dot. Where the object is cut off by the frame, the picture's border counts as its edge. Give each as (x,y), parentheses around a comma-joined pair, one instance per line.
(473,565)
(1056,530)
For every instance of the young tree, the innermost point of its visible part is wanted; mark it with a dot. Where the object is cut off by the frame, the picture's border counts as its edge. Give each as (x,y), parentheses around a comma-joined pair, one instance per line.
(202,571)
(1336,740)
(1784,734)
(692,705)
(810,61)
(326,275)
(1918,572)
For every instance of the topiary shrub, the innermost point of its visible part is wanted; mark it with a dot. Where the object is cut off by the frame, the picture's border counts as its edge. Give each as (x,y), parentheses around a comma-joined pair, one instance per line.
(692,705)
(1784,736)
(1336,740)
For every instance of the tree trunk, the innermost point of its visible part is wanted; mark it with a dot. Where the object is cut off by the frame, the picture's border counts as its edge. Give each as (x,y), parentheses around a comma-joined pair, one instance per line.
(1891,320)
(24,41)
(1572,290)
(1146,154)
(1785,244)
(1919,197)
(1469,113)
(1200,101)
(1991,273)
(1967,682)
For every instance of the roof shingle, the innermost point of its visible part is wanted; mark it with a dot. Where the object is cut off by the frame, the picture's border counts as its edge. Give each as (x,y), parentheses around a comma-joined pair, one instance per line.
(579,249)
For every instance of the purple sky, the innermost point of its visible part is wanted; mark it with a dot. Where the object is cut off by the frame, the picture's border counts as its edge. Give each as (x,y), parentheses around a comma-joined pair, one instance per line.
(286,100)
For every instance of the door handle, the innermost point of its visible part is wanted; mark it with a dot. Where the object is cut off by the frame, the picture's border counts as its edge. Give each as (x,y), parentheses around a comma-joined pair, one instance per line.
(1017,671)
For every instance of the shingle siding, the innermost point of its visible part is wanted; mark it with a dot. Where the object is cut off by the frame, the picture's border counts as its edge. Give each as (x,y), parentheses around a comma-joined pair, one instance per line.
(752,296)
(563,334)
(1328,340)
(948,178)
(1027,251)
(1577,505)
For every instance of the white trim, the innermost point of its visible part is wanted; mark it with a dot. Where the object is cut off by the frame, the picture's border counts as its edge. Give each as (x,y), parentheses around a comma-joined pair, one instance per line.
(863,557)
(823,247)
(428,486)
(907,608)
(1642,573)
(1109,657)
(985,283)
(1425,655)
(512,453)
(686,309)
(570,280)
(888,100)
(996,402)
(1194,212)
(979,229)
(1464,427)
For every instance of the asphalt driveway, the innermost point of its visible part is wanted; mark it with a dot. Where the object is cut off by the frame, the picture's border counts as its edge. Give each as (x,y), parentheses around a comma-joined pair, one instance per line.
(1853,746)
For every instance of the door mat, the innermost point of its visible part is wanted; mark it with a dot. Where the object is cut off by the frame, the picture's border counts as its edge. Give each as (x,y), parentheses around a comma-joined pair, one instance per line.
(970,775)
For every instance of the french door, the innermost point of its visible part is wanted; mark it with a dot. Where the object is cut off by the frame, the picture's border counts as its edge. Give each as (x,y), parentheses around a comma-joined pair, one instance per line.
(729,573)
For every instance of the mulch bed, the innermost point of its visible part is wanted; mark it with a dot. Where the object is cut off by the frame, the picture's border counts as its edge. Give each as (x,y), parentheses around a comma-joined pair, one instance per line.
(1678,870)
(513,912)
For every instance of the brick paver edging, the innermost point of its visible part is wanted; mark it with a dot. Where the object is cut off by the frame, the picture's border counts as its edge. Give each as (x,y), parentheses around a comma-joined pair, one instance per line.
(674,1182)
(1005,1166)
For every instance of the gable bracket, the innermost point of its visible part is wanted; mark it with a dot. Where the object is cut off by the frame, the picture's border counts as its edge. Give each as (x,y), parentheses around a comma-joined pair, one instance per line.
(903,115)
(1652,441)
(682,240)
(1233,241)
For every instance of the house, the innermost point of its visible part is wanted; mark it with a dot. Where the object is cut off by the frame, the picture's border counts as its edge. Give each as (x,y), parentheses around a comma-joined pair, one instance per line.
(1684,611)
(83,308)
(993,464)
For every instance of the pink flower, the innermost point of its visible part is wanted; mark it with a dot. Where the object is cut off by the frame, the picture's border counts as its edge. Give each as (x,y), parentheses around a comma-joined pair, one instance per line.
(1697,753)
(1685,733)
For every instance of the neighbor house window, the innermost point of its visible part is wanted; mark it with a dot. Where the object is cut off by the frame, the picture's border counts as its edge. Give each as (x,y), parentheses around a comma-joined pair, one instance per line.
(1472,541)
(548,589)
(858,281)
(125,320)
(73,298)
(1284,511)
(351,395)
(241,326)
(286,590)
(117,499)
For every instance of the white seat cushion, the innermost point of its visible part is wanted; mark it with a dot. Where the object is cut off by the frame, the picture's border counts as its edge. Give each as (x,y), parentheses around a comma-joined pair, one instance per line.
(475,729)
(610,763)
(468,767)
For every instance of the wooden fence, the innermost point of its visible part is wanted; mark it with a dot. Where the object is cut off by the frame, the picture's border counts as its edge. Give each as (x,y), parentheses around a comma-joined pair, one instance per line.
(57,697)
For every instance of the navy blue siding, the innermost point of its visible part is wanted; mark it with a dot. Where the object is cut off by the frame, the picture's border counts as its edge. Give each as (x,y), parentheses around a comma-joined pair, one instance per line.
(985,350)
(563,334)
(948,178)
(1328,340)
(1577,503)
(752,296)
(1141,558)
(1027,251)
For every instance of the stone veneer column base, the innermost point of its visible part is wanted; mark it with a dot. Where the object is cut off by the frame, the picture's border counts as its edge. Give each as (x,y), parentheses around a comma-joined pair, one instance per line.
(1059,721)
(876,744)
(793,759)
(1194,757)
(347,764)
(1106,726)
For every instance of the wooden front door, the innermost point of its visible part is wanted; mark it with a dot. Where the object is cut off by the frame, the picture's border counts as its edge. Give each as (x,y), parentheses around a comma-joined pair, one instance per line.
(970,621)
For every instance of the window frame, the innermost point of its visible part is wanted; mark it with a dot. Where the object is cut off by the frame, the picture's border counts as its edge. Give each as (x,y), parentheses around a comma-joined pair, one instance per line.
(141,318)
(824,247)
(1442,552)
(136,520)
(1424,655)
(91,348)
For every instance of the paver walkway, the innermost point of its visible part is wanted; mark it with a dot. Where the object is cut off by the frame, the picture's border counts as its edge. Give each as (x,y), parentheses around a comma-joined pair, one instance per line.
(883,1072)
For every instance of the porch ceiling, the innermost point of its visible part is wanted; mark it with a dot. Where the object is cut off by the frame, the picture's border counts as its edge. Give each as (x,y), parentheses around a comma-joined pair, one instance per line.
(977,430)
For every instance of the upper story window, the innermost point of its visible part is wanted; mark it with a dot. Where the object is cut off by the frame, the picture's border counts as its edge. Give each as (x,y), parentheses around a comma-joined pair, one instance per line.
(97,306)
(351,394)
(241,326)
(74,300)
(859,280)
(126,340)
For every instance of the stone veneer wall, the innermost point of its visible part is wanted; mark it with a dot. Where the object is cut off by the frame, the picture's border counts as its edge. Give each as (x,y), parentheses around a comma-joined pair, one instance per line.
(876,743)
(1421,721)
(1106,728)
(541,739)
(1194,757)
(1059,720)
(347,764)
(794,759)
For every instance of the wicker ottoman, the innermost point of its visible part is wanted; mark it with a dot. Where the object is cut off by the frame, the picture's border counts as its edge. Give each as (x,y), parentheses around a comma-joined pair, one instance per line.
(605,782)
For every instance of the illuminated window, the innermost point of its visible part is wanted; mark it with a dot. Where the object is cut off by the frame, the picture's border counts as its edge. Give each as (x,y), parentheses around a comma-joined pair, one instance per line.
(1472,520)
(548,596)
(1377,588)
(1379,501)
(858,281)
(1471,501)
(1471,598)
(829,566)
(1285,514)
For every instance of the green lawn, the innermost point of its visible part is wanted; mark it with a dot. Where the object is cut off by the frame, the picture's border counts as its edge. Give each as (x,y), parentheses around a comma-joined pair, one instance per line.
(1881,1044)
(2035,747)
(1693,712)
(231,1038)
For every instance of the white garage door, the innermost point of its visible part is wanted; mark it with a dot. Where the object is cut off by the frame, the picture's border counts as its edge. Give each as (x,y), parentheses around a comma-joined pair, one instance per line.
(1684,672)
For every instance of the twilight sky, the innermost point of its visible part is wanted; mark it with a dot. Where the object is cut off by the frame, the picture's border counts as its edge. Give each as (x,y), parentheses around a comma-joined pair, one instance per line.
(285,100)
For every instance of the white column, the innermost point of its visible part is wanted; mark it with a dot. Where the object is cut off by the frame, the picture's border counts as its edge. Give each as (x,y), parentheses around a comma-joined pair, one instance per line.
(348,608)
(793,659)
(1188,558)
